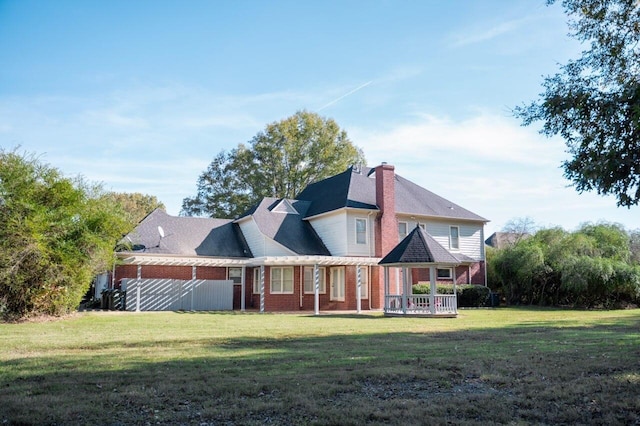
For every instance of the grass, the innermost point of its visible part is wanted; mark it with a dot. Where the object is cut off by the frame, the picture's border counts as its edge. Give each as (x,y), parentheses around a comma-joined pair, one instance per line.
(503,366)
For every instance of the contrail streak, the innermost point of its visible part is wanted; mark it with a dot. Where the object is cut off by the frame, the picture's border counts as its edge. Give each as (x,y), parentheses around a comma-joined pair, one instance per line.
(345,95)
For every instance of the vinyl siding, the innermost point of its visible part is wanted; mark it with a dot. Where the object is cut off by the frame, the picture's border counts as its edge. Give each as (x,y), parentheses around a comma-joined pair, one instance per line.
(470,237)
(354,249)
(332,229)
(259,244)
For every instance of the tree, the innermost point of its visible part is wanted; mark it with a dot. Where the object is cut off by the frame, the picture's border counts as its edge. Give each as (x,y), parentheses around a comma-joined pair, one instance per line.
(278,162)
(594,102)
(56,233)
(135,204)
(520,228)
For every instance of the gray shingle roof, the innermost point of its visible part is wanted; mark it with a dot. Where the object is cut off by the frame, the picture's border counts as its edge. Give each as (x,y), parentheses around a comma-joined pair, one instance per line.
(189,236)
(290,230)
(418,248)
(357,188)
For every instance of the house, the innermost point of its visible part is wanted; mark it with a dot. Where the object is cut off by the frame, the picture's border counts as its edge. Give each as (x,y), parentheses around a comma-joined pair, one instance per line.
(319,251)
(500,240)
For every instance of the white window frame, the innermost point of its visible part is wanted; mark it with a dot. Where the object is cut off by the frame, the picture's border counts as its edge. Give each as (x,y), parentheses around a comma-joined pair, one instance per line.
(232,278)
(449,277)
(406,230)
(457,238)
(281,282)
(256,280)
(364,278)
(365,233)
(323,280)
(335,293)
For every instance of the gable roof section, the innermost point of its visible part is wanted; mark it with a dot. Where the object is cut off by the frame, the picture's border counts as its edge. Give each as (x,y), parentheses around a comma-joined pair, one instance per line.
(419,248)
(414,199)
(357,188)
(188,236)
(289,230)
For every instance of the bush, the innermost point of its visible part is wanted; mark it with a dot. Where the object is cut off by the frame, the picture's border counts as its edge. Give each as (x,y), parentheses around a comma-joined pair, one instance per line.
(473,296)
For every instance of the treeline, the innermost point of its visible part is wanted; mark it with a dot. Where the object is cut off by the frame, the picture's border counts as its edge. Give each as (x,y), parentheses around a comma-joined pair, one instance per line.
(596,266)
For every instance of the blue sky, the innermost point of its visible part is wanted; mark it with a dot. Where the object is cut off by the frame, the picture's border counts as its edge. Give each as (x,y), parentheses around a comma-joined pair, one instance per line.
(142,95)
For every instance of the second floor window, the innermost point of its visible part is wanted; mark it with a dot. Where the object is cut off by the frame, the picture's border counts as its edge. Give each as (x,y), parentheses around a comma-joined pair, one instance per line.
(361,231)
(402,230)
(454,238)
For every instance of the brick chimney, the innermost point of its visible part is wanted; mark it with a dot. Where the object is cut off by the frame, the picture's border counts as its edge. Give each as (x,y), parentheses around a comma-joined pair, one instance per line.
(386,222)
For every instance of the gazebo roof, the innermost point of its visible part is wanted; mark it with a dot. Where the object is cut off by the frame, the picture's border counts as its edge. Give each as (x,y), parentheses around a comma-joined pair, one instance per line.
(419,248)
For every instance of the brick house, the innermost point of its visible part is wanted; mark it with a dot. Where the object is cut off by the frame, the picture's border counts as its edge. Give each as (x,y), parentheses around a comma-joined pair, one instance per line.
(319,251)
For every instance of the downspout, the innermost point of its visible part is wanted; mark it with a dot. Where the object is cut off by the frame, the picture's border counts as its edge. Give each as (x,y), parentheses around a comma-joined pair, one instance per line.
(369,284)
(484,255)
(371,254)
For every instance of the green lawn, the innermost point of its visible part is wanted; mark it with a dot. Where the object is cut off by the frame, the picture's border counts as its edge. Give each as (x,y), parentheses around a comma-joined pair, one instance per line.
(487,366)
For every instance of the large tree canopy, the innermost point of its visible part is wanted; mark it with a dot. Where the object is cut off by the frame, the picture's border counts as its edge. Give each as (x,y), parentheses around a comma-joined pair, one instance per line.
(278,162)
(135,204)
(594,102)
(56,233)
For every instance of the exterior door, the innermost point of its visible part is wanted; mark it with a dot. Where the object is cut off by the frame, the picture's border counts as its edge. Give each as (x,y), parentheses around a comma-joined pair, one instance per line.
(337,283)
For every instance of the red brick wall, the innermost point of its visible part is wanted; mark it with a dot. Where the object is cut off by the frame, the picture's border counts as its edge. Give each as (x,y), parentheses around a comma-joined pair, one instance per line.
(386,229)
(171,272)
(211,273)
(475,270)
(126,271)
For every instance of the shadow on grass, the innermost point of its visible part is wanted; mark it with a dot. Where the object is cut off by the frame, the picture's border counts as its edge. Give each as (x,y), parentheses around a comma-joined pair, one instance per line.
(521,374)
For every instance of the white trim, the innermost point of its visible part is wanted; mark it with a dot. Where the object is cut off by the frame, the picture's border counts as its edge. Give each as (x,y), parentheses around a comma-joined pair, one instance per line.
(129,258)
(341,209)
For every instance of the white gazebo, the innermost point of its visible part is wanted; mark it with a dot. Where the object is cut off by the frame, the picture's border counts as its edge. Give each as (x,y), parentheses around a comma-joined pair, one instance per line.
(418,250)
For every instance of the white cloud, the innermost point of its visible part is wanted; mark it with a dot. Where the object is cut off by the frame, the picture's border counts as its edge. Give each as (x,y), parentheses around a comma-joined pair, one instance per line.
(490,165)
(473,36)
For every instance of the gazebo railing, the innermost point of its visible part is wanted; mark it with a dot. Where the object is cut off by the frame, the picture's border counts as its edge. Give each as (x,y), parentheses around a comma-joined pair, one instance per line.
(421,304)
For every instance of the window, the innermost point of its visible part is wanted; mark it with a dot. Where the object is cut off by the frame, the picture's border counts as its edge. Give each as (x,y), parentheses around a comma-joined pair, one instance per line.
(256,280)
(361,231)
(309,282)
(337,283)
(281,280)
(402,230)
(364,282)
(444,273)
(235,275)
(454,237)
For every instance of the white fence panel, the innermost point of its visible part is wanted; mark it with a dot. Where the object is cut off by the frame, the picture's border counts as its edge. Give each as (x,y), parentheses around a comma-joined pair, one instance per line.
(174,295)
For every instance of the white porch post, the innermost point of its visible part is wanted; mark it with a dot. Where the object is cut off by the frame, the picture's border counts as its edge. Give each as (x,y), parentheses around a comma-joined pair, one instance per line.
(138,289)
(261,288)
(193,284)
(316,289)
(242,289)
(404,291)
(386,288)
(358,289)
(432,299)
(455,292)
